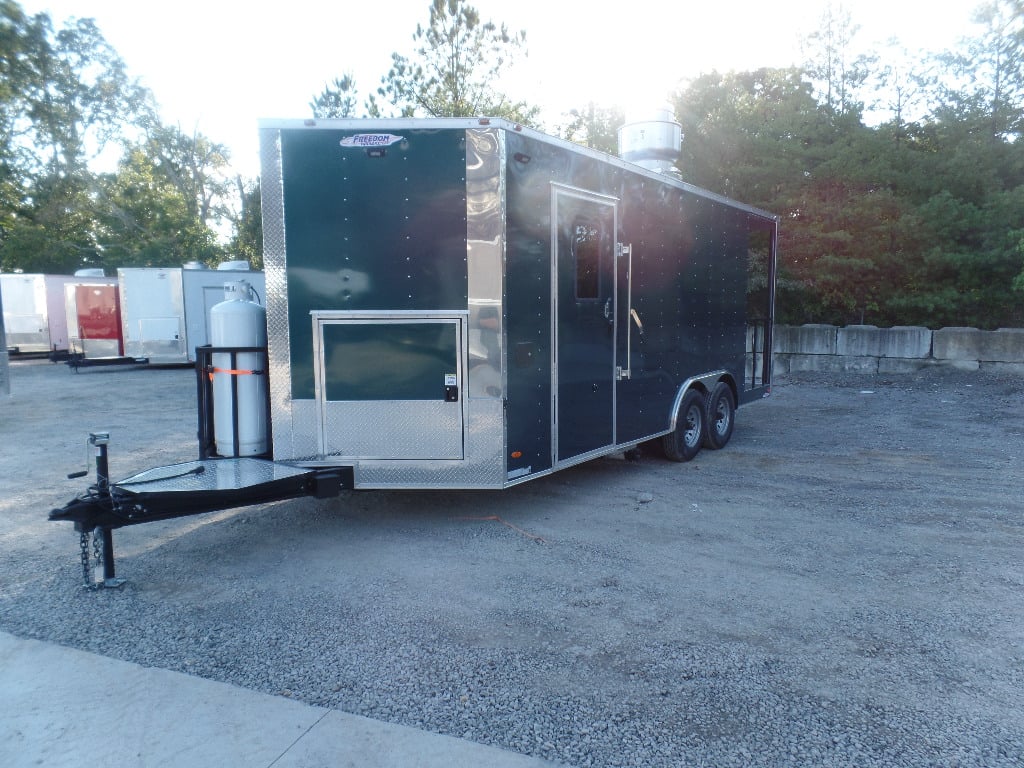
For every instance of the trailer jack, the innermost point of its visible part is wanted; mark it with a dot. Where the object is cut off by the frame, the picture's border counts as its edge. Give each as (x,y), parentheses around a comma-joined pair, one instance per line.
(98,495)
(180,490)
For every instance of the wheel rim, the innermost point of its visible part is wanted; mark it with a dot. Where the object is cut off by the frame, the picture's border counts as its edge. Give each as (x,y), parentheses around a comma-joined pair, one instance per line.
(723,415)
(691,435)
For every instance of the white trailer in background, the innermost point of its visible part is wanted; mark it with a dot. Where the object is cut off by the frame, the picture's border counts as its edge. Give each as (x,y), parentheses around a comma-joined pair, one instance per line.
(34,315)
(5,369)
(165,312)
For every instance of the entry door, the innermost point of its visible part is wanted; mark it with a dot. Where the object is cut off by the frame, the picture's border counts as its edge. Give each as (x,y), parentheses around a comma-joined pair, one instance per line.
(98,317)
(389,387)
(584,253)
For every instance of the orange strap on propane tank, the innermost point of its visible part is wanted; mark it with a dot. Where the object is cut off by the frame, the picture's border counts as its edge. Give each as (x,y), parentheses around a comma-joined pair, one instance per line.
(232,372)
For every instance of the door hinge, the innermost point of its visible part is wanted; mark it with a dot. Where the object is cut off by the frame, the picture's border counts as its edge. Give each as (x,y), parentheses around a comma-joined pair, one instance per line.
(621,373)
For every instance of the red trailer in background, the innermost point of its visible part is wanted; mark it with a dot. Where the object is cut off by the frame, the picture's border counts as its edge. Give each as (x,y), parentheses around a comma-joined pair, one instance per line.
(94,323)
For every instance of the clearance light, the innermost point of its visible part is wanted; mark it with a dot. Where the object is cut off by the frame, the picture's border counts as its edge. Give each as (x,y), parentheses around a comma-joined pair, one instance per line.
(517,454)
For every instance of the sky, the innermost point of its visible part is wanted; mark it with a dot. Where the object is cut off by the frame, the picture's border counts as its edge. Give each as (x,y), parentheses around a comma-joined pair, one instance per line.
(219,66)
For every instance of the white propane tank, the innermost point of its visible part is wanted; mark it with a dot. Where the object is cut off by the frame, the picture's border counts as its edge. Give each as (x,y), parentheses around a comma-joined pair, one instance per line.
(238,321)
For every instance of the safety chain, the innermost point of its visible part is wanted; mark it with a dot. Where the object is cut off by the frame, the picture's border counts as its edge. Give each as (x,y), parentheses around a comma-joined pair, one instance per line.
(88,576)
(83,543)
(97,556)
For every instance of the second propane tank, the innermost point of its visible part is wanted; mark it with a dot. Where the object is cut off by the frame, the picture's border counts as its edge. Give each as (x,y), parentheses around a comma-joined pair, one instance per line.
(239,378)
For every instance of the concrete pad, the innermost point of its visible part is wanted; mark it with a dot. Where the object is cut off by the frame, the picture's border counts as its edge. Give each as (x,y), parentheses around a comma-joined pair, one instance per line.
(64,707)
(341,740)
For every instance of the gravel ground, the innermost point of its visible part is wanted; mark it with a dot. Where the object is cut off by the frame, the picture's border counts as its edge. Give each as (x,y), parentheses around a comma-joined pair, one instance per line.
(840,586)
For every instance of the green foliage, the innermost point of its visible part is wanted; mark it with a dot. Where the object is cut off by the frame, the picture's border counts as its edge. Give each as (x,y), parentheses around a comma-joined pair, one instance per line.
(149,219)
(55,230)
(837,72)
(1018,281)
(74,95)
(158,207)
(915,220)
(195,166)
(247,242)
(338,99)
(455,68)
(595,127)
(65,96)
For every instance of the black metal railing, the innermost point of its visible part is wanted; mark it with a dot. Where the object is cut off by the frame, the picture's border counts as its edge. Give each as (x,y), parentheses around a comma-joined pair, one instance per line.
(205,371)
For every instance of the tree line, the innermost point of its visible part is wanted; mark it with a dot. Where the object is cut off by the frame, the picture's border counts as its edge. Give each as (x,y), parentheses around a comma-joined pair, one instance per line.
(899,180)
(898,177)
(66,102)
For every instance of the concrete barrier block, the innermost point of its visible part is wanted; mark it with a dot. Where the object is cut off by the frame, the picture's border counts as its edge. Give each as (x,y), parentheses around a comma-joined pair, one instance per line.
(858,340)
(957,344)
(856,364)
(813,363)
(1005,345)
(780,365)
(869,341)
(805,339)
(832,364)
(911,341)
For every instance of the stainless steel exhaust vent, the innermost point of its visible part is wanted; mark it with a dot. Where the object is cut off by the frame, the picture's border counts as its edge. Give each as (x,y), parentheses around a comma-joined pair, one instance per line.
(652,141)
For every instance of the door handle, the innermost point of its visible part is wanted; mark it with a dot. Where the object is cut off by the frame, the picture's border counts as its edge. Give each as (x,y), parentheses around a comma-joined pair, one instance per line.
(636,319)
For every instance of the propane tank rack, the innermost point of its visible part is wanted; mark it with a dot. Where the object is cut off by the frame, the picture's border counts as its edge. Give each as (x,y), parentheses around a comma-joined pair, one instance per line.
(205,372)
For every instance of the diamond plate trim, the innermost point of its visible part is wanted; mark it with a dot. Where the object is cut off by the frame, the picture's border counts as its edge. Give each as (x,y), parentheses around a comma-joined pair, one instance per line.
(484,467)
(411,429)
(207,475)
(305,436)
(274,269)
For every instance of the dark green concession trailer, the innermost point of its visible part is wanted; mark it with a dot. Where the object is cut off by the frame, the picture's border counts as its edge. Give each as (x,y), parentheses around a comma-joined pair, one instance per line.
(466,303)
(461,303)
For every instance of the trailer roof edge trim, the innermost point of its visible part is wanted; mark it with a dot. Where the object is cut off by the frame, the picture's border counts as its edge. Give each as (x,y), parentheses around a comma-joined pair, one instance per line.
(468,123)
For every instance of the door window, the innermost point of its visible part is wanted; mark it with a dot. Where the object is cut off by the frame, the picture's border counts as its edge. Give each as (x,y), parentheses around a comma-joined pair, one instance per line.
(586,251)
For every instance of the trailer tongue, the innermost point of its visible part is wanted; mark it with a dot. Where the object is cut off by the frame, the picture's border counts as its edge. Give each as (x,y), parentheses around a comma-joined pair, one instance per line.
(181,490)
(195,487)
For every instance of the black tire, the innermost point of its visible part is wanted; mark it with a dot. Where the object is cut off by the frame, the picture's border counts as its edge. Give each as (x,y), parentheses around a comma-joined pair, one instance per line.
(720,416)
(684,442)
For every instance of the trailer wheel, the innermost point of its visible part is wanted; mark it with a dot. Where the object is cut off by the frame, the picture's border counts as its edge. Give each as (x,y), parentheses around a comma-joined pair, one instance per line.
(684,442)
(721,416)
